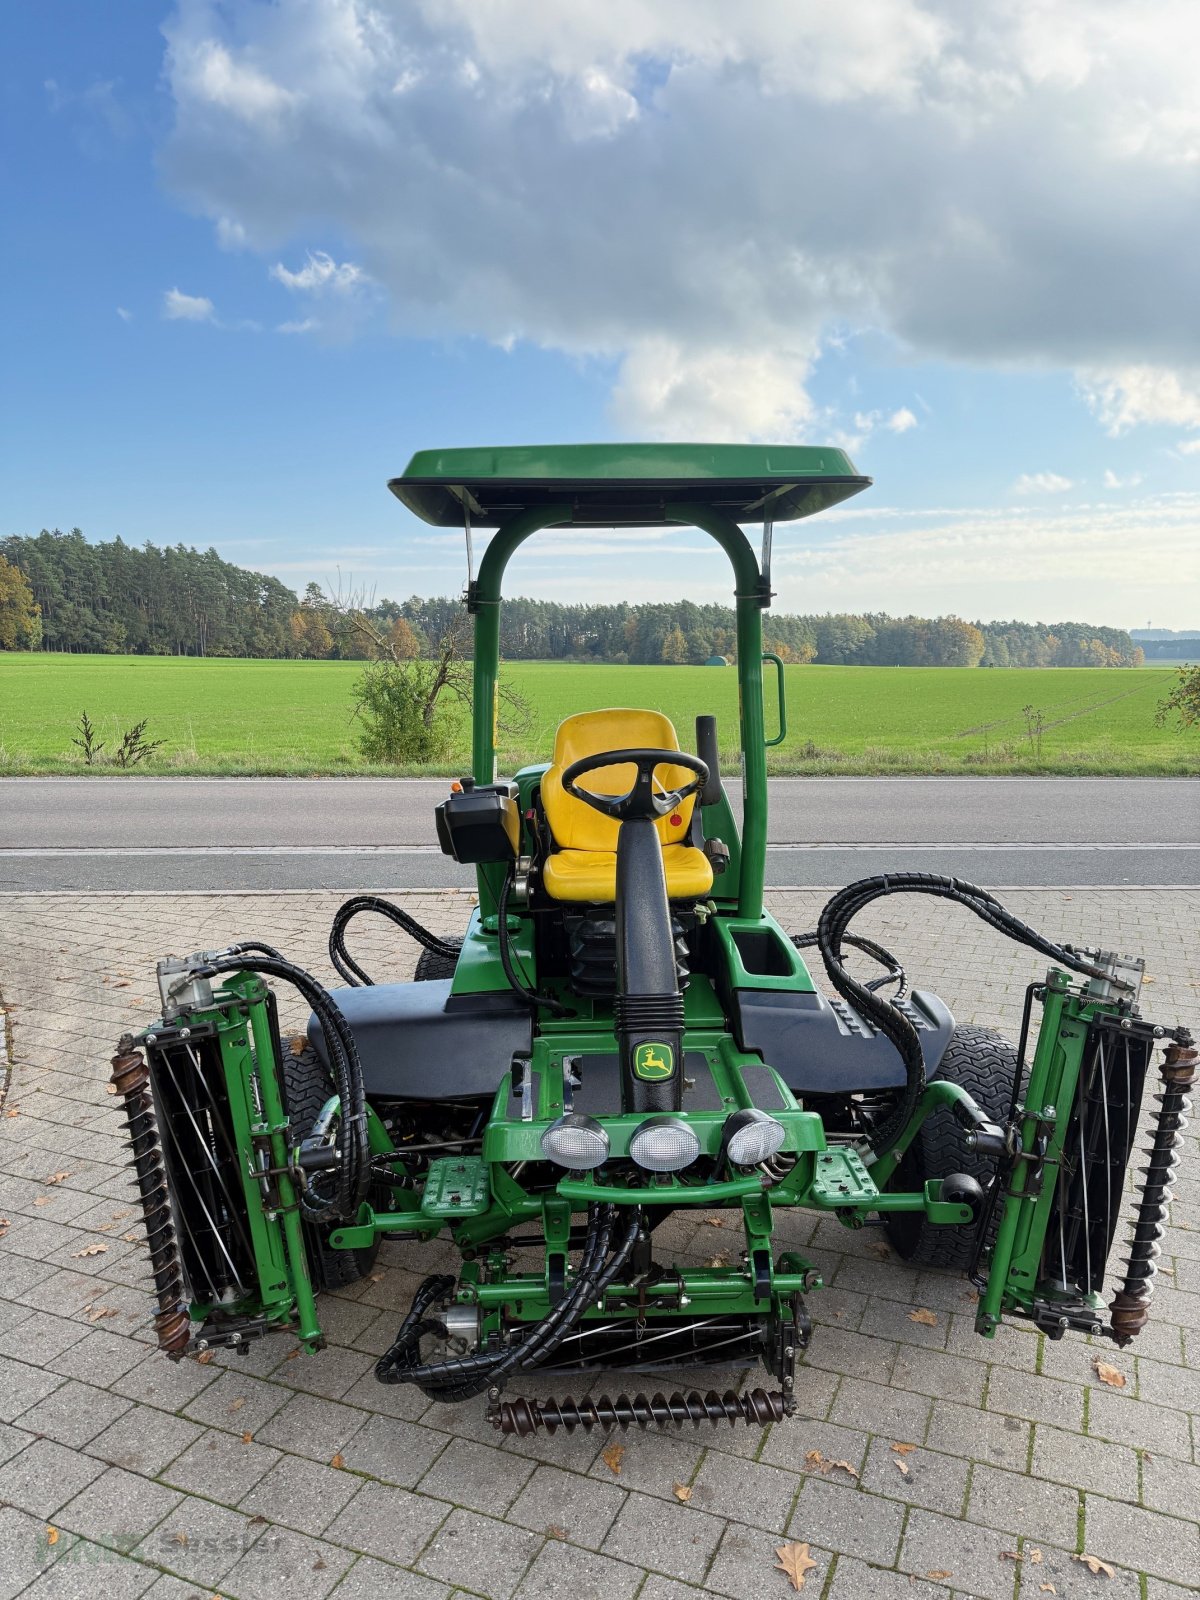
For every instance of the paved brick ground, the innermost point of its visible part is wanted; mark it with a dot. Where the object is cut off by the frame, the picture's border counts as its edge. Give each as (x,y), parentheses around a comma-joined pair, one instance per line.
(167,1481)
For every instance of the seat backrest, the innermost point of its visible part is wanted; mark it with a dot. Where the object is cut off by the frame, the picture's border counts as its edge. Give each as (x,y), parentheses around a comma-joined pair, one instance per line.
(573,823)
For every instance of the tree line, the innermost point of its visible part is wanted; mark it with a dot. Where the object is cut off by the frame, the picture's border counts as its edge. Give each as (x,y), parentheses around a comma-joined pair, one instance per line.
(60,592)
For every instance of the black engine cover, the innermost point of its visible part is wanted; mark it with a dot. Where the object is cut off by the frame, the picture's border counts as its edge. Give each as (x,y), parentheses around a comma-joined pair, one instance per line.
(819,1046)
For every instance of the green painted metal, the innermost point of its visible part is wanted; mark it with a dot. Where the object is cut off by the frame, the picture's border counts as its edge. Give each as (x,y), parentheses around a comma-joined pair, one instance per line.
(940,1092)
(756,950)
(1015,1257)
(751,596)
(781,696)
(456,1186)
(274,1123)
(625,485)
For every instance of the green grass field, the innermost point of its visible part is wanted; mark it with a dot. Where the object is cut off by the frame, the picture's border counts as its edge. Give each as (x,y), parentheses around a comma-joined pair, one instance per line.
(281,717)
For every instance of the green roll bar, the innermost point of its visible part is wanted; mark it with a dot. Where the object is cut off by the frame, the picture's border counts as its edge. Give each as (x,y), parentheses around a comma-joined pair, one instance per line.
(752,595)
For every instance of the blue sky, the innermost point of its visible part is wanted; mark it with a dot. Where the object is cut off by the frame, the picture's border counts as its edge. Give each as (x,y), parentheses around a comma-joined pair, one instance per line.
(257,254)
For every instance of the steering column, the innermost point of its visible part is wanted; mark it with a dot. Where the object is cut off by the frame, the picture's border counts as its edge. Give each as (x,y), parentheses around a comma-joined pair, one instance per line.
(648,1009)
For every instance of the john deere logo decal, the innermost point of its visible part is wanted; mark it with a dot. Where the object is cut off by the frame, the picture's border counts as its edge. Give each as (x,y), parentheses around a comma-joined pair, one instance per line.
(653,1062)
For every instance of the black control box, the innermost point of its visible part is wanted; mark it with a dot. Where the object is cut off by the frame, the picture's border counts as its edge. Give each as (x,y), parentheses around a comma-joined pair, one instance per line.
(481,823)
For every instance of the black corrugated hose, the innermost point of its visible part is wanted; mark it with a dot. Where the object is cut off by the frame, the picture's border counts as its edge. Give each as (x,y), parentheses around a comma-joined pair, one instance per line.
(345,965)
(831,937)
(465,1377)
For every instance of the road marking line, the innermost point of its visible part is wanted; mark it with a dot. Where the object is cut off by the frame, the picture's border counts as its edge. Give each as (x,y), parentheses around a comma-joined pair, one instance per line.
(985,847)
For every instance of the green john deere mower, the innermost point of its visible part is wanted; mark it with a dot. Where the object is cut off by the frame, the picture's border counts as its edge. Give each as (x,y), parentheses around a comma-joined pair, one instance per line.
(622,1032)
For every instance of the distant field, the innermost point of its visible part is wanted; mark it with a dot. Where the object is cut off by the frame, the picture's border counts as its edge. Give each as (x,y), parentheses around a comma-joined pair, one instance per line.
(281,717)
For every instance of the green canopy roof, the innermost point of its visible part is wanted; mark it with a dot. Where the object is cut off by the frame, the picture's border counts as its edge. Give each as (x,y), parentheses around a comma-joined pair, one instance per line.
(625,485)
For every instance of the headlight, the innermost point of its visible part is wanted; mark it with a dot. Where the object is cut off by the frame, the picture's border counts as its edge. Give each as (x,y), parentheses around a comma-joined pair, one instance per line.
(575,1141)
(664,1144)
(752,1136)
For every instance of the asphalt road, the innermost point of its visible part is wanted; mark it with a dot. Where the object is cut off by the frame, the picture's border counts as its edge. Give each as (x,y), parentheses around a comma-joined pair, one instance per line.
(174,834)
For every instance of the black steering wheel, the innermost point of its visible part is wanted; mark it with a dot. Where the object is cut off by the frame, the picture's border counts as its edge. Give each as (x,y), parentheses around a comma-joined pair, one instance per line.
(641,801)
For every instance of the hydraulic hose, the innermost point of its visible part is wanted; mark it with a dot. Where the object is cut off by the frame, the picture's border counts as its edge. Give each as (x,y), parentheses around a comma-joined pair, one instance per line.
(461,1379)
(831,937)
(345,965)
(555,1007)
(895,971)
(353,1167)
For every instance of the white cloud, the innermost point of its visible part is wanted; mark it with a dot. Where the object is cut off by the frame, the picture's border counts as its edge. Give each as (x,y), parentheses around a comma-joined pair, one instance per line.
(180,307)
(321,274)
(231,235)
(306,325)
(665,392)
(901,421)
(227,83)
(624,177)
(1042,483)
(1123,397)
(1188,447)
(979,565)
(125,316)
(1113,481)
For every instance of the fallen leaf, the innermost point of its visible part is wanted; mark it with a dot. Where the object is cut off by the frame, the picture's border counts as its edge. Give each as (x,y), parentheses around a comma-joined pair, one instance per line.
(714,1222)
(120,983)
(247,1438)
(375,1277)
(1047,1588)
(553,1531)
(939,1573)
(338,1460)
(110,1088)
(319,1564)
(794,1561)
(927,1319)
(204,1357)
(298,1044)
(719,1261)
(820,1463)
(256,1519)
(57,1177)
(682,1492)
(42,1200)
(132,1238)
(238,1401)
(51,1534)
(12,1112)
(1035,1556)
(117,1215)
(1146,978)
(901,1466)
(612,1455)
(1112,1376)
(180,1538)
(98,1313)
(902,1449)
(1095,1566)
(1011,1555)
(96,1249)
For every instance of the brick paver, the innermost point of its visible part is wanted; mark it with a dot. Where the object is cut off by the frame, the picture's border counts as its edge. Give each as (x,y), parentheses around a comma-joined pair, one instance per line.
(171,1481)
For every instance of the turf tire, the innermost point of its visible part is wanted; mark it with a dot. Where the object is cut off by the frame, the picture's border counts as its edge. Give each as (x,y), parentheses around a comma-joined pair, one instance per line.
(432,965)
(985,1064)
(307,1086)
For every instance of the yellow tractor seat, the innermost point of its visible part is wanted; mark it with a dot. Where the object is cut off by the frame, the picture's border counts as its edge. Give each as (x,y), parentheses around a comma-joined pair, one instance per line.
(584,866)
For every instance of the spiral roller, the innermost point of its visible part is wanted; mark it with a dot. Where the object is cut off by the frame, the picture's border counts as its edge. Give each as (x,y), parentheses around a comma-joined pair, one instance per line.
(1130,1310)
(524,1417)
(131,1078)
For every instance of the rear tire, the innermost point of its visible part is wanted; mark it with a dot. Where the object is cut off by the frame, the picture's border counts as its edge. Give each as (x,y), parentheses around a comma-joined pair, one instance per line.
(307,1086)
(984,1063)
(431,965)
